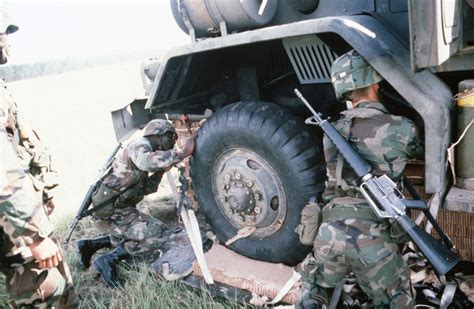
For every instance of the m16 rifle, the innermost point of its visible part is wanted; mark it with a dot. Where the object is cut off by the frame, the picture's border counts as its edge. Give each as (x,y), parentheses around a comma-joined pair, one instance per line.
(385,199)
(84,210)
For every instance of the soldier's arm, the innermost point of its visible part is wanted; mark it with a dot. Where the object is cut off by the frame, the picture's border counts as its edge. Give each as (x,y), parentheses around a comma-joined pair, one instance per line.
(414,141)
(23,218)
(21,214)
(151,161)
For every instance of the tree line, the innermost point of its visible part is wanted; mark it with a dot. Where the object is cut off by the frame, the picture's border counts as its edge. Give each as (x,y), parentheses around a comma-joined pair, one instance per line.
(16,72)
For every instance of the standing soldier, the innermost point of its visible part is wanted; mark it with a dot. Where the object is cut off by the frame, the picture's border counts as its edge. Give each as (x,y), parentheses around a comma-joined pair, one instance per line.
(30,259)
(30,148)
(351,238)
(128,230)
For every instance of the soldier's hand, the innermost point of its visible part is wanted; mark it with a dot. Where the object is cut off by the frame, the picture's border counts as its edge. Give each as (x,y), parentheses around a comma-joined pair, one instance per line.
(189,146)
(46,253)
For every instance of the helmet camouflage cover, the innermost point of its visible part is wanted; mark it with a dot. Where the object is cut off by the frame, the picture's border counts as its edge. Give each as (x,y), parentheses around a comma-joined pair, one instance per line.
(7,25)
(350,72)
(158,127)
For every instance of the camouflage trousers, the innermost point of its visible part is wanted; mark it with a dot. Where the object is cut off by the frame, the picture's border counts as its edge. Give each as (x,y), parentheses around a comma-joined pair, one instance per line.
(31,287)
(137,232)
(365,248)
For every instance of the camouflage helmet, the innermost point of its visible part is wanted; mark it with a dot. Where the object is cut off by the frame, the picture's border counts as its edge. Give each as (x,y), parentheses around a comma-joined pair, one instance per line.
(350,72)
(7,25)
(158,127)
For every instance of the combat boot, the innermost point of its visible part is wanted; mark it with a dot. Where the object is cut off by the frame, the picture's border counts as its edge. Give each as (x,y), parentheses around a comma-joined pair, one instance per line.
(106,265)
(87,248)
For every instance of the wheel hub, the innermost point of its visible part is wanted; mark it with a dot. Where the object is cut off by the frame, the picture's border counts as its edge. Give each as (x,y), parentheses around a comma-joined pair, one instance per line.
(249,192)
(240,197)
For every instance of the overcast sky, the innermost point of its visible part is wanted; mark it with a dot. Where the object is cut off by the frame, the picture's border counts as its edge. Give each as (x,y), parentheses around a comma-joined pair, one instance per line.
(52,29)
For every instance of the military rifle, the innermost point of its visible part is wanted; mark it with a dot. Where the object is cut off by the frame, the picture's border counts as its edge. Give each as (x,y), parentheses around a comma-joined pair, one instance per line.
(87,200)
(385,199)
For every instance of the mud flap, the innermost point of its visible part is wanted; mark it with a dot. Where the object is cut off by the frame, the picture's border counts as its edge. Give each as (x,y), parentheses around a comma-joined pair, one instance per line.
(130,118)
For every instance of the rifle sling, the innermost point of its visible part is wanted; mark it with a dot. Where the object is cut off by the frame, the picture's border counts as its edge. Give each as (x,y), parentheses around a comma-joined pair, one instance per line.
(429,216)
(107,202)
(337,214)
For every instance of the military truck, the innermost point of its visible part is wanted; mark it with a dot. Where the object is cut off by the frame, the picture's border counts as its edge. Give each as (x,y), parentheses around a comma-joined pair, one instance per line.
(256,164)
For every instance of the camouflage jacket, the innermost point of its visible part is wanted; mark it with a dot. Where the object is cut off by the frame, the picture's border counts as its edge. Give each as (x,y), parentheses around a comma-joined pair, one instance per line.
(385,141)
(22,216)
(33,153)
(134,163)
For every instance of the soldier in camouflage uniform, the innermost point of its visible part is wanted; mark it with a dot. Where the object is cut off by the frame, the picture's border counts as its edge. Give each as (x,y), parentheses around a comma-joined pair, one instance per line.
(128,230)
(32,152)
(351,238)
(30,259)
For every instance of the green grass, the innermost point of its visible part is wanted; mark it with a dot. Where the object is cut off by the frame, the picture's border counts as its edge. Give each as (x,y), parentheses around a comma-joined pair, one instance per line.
(142,289)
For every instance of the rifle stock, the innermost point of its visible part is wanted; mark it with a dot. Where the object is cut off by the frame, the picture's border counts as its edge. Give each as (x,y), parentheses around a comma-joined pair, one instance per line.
(442,259)
(384,197)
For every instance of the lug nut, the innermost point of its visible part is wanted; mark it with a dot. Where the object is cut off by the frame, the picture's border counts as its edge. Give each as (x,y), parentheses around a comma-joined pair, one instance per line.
(237,176)
(241,218)
(257,196)
(227,177)
(257,210)
(249,183)
(223,199)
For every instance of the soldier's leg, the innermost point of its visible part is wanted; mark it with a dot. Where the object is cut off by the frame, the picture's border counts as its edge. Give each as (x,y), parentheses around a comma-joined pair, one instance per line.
(324,267)
(384,276)
(106,265)
(137,232)
(87,247)
(132,233)
(29,285)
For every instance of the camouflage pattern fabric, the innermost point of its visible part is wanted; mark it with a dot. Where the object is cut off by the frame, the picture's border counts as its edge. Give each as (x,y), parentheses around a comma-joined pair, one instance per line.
(350,72)
(7,25)
(158,127)
(23,222)
(137,232)
(366,246)
(34,155)
(129,180)
(30,286)
(385,141)
(135,161)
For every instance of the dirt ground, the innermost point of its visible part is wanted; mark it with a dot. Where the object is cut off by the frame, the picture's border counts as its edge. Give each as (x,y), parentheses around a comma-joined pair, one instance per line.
(71,112)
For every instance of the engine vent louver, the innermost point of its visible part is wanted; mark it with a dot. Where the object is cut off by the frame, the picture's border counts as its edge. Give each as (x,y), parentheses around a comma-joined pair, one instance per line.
(311,58)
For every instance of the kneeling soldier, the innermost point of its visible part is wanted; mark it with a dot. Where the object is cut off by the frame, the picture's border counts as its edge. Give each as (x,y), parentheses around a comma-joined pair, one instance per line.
(128,230)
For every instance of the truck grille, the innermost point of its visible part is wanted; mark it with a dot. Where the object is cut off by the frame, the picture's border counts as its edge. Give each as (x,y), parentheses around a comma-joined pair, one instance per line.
(311,58)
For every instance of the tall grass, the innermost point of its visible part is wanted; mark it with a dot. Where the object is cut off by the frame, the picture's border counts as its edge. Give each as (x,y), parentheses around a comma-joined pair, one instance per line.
(143,288)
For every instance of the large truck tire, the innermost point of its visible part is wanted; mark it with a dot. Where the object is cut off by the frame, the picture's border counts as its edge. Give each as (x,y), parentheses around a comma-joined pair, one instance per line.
(255,164)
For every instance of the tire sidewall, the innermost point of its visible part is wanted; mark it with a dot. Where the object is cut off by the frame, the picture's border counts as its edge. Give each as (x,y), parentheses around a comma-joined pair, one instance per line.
(225,131)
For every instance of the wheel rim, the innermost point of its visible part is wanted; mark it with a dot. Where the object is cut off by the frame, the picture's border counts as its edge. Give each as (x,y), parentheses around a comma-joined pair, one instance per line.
(248,191)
